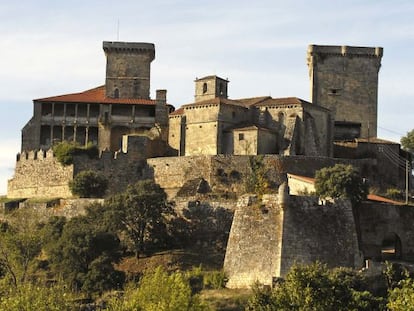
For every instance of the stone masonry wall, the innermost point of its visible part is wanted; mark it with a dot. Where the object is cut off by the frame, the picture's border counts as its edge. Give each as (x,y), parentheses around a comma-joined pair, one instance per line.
(379,220)
(319,232)
(267,239)
(39,174)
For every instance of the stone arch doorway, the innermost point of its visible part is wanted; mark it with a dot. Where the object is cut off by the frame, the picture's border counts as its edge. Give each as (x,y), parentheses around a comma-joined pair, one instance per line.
(391,247)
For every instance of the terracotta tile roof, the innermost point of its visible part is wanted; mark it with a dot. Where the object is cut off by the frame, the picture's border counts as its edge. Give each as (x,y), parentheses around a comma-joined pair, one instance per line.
(302,178)
(375,140)
(210,77)
(370,197)
(215,101)
(253,100)
(177,112)
(377,198)
(95,95)
(283,101)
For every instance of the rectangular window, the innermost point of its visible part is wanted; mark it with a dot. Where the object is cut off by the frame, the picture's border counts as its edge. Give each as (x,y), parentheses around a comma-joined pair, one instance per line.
(241,136)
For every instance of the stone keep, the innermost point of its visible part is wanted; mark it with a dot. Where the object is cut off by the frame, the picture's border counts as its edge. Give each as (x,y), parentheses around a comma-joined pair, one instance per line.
(344,79)
(128,69)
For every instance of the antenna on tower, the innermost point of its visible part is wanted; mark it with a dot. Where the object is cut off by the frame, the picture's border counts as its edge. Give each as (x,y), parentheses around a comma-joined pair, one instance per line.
(117,31)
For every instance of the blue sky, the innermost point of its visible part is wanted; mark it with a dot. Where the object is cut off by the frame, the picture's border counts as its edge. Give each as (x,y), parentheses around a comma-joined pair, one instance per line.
(55,47)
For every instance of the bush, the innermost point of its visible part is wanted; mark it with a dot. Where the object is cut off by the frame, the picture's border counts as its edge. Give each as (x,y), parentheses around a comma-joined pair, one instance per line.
(394,193)
(89,184)
(158,290)
(65,150)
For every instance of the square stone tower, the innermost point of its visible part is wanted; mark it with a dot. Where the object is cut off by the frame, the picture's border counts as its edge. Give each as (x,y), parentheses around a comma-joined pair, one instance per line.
(128,69)
(210,87)
(344,79)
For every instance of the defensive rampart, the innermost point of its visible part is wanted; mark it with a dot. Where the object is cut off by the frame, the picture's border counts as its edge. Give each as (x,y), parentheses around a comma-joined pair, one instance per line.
(268,237)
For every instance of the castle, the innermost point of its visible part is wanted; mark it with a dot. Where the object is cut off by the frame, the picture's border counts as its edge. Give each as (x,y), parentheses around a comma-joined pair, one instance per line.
(123,121)
(211,142)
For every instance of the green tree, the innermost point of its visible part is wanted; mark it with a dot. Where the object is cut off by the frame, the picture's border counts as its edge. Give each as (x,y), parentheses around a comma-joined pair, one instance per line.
(341,181)
(401,297)
(20,244)
(315,287)
(157,290)
(138,212)
(84,256)
(89,184)
(407,142)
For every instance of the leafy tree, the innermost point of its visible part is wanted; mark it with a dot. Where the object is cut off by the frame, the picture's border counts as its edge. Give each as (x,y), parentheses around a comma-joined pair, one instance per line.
(407,142)
(315,287)
(401,298)
(158,290)
(89,184)
(138,212)
(20,244)
(84,256)
(341,181)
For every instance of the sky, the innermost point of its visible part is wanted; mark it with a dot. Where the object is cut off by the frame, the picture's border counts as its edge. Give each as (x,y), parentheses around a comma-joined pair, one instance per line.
(51,47)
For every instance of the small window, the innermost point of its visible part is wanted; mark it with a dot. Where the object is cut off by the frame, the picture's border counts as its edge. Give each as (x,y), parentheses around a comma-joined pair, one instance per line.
(241,136)
(221,89)
(233,114)
(204,88)
(116,93)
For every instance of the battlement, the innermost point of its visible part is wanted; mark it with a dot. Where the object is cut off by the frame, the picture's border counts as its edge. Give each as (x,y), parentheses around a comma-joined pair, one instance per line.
(117,46)
(344,50)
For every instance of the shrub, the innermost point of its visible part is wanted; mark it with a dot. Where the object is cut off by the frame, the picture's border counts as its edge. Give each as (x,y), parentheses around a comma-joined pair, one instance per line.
(394,193)
(89,184)
(158,290)
(65,150)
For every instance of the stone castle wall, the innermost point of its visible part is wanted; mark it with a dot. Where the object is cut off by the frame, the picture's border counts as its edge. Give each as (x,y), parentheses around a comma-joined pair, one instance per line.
(39,174)
(266,239)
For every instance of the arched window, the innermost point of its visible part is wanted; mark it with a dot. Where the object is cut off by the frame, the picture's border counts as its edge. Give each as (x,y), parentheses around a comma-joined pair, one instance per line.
(221,89)
(116,93)
(204,88)
(391,247)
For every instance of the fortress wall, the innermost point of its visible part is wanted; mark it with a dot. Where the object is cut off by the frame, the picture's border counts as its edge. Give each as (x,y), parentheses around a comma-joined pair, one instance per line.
(314,232)
(254,246)
(266,239)
(39,174)
(379,220)
(226,173)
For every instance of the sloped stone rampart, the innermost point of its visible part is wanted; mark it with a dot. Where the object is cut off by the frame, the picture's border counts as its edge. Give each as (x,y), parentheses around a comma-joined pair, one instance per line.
(266,239)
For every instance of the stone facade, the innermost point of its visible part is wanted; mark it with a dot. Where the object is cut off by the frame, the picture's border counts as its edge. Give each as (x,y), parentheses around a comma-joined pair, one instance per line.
(262,125)
(102,115)
(344,79)
(267,237)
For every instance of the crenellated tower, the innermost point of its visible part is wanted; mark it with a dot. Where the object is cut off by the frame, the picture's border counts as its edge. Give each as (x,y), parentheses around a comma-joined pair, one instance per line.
(128,69)
(344,79)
